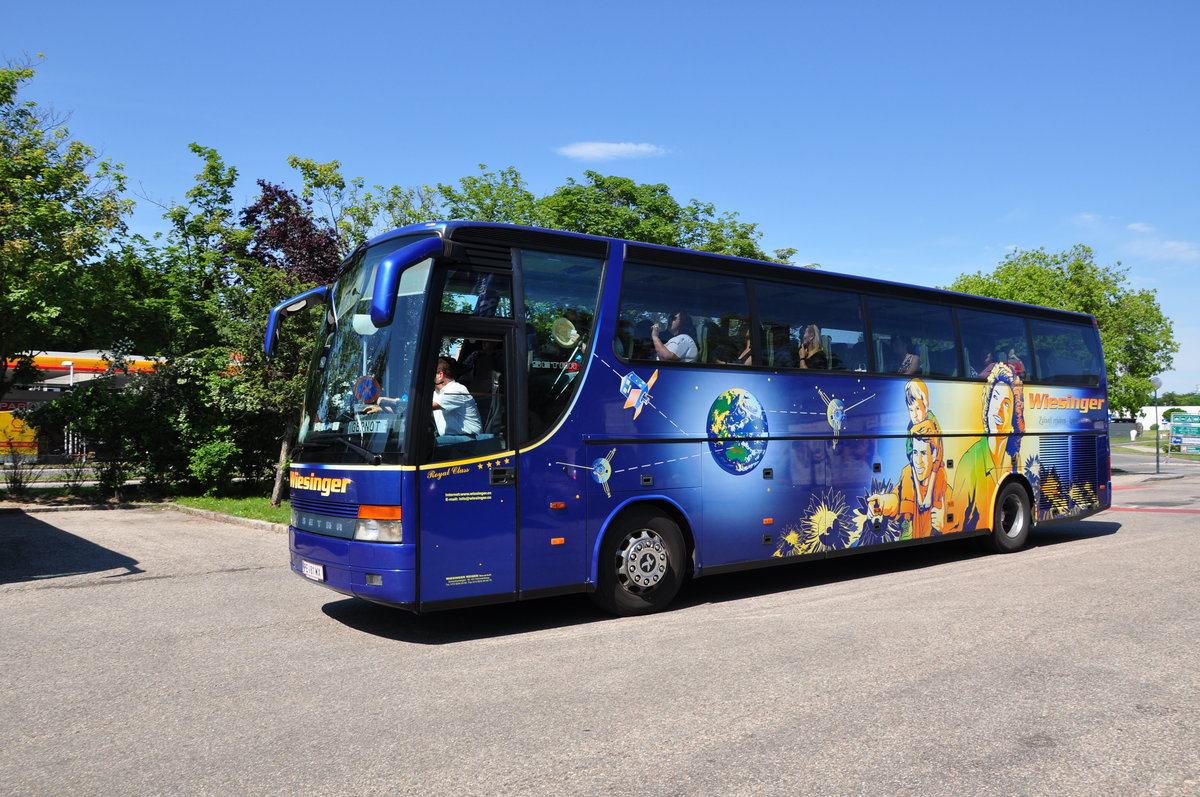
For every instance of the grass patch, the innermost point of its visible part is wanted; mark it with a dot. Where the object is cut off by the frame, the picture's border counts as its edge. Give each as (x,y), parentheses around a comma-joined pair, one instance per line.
(258,508)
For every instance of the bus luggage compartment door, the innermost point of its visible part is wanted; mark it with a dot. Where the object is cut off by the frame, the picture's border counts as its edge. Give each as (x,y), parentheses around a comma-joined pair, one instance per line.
(468,522)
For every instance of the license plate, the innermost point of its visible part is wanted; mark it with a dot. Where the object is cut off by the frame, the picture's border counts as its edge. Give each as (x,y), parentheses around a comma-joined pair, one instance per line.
(315,572)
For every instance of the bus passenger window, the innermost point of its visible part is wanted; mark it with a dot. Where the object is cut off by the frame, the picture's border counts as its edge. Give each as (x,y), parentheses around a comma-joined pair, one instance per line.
(1066,353)
(805,327)
(913,338)
(990,339)
(683,316)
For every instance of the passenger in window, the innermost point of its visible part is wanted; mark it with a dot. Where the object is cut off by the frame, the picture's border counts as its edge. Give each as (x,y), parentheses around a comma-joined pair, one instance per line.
(681,339)
(905,360)
(1015,364)
(989,362)
(742,357)
(810,353)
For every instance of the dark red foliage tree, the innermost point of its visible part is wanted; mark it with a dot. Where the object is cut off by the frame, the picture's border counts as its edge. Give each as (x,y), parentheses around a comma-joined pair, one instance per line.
(287,237)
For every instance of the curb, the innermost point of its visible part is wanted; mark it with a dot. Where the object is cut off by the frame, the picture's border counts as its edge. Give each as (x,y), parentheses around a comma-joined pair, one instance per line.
(1163,477)
(261,525)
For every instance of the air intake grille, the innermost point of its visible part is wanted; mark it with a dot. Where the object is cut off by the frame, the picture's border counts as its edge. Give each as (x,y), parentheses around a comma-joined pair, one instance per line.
(1085,469)
(1054,476)
(1066,480)
(331,508)
(489,255)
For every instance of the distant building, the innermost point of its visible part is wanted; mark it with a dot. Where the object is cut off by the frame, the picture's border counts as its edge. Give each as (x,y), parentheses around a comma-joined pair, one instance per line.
(1148,416)
(58,371)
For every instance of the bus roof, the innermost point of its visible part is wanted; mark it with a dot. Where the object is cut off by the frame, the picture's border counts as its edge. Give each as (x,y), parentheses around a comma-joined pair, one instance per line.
(692,258)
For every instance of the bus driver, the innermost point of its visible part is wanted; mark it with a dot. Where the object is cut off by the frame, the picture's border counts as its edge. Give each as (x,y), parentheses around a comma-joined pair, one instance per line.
(454,412)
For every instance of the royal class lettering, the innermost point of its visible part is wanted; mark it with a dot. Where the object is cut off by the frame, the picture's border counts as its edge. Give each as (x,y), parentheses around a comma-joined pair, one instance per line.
(320,484)
(1045,401)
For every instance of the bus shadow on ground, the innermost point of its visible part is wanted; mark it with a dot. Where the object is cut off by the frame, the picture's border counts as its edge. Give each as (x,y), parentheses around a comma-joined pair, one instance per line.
(1073,532)
(35,550)
(463,625)
(509,619)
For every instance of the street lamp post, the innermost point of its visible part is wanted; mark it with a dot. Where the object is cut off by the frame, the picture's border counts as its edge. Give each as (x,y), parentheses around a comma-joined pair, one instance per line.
(70,433)
(1157,383)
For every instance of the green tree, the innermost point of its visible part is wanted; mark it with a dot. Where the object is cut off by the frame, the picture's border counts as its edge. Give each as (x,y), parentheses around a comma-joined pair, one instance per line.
(176,298)
(355,214)
(59,208)
(490,196)
(195,260)
(288,251)
(128,297)
(1136,335)
(621,208)
(1186,399)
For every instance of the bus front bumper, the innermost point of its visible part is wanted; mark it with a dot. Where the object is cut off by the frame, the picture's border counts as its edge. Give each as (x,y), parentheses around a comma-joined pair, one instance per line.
(379,572)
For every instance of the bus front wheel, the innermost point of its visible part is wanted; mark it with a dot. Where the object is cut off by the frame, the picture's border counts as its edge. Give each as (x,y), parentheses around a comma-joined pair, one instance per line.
(641,565)
(1011,521)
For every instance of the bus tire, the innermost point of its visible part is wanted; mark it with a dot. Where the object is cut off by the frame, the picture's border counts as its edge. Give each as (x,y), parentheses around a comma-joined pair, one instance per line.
(1012,519)
(641,564)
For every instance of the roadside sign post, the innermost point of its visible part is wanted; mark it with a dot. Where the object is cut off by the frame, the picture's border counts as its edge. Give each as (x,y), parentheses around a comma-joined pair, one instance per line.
(1185,432)
(1157,383)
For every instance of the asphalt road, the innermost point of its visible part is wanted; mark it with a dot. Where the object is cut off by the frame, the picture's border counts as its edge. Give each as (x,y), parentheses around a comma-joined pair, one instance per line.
(150,652)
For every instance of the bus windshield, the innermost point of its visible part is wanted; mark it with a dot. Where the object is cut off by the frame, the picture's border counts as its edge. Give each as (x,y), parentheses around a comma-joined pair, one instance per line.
(361,380)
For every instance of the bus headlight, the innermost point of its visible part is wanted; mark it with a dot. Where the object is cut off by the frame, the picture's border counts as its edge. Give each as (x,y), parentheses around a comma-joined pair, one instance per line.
(375,530)
(378,523)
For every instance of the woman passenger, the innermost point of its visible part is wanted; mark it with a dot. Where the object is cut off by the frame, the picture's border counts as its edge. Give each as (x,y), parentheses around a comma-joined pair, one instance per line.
(810,351)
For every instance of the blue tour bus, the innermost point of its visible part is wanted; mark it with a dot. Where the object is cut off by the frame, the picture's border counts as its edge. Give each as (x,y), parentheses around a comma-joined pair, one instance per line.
(645,414)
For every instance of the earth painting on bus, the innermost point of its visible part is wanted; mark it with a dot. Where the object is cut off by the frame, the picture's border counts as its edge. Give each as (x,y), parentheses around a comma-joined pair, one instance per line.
(737,431)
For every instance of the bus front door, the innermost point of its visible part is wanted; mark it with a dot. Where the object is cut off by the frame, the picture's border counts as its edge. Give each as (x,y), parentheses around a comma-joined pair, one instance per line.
(468,490)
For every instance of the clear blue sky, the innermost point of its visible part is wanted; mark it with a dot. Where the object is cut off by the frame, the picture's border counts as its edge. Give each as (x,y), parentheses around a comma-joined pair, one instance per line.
(911,141)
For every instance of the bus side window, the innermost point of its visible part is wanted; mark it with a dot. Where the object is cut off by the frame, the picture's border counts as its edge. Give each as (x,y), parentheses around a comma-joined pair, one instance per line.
(990,339)
(914,338)
(706,307)
(1066,353)
(561,292)
(805,327)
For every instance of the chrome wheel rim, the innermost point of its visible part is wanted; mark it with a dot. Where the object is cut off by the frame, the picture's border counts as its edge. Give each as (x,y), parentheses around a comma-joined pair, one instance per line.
(1012,519)
(641,561)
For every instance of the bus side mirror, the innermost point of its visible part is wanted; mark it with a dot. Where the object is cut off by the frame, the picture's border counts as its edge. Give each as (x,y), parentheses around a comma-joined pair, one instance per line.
(387,277)
(303,301)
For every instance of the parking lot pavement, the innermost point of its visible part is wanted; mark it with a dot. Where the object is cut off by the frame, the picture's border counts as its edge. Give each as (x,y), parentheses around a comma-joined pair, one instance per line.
(151,652)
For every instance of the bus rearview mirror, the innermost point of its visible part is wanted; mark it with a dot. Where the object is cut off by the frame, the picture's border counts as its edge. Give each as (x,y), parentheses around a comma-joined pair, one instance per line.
(387,277)
(303,301)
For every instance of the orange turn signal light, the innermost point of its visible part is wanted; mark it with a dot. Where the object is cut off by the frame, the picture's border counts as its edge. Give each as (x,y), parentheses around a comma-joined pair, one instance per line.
(768,521)
(379,512)
(558,504)
(558,540)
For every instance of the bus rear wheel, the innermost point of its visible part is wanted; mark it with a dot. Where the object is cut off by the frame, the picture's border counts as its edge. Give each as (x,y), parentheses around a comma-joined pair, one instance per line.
(1011,521)
(641,565)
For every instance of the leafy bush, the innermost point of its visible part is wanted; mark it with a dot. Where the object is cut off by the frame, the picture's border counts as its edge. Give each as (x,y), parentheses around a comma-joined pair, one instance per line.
(214,463)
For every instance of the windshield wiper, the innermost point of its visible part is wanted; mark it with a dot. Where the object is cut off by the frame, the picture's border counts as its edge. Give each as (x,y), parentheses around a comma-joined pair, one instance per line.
(367,455)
